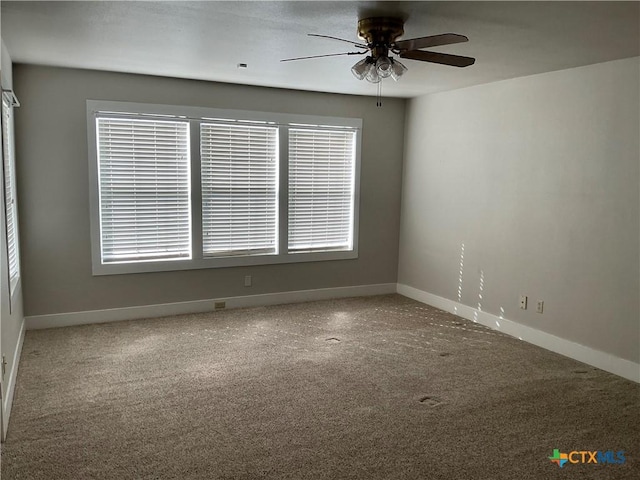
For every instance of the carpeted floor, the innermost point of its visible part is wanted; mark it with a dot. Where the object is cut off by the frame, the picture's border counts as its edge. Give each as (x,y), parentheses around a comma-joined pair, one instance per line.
(363,388)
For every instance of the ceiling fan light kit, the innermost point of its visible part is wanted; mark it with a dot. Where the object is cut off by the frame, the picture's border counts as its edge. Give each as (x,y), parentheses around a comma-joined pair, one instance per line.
(375,71)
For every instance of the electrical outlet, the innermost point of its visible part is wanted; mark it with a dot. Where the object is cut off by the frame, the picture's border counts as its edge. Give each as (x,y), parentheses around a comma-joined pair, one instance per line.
(523,302)
(247,281)
(220,305)
(540,306)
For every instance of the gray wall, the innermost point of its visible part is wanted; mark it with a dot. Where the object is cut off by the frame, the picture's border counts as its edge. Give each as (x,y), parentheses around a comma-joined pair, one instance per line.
(538,177)
(11,318)
(54,195)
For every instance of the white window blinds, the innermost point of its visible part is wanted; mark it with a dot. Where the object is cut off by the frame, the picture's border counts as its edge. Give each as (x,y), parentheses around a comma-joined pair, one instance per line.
(144,189)
(321,189)
(10,190)
(239,189)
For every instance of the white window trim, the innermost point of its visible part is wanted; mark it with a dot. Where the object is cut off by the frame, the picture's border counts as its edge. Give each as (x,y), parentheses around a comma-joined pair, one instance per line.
(196,114)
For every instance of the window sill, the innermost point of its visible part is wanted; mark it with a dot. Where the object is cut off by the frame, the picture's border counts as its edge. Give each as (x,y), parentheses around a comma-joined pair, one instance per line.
(220,262)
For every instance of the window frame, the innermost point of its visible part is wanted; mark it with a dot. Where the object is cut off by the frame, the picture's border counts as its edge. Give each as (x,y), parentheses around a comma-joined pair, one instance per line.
(8,141)
(195,115)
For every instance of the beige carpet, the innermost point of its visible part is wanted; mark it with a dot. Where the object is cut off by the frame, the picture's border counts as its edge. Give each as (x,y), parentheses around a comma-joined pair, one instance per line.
(365,388)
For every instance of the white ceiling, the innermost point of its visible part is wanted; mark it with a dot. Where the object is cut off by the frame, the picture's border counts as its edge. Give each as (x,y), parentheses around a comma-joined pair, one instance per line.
(207,39)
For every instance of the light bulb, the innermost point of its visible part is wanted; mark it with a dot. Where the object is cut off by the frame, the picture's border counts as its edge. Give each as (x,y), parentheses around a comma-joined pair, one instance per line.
(383,65)
(397,69)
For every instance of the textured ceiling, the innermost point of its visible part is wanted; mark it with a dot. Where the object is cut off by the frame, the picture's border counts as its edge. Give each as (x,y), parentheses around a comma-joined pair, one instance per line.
(206,40)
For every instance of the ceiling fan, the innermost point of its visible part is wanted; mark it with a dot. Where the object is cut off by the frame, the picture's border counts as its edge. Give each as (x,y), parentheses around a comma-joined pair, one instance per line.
(380,35)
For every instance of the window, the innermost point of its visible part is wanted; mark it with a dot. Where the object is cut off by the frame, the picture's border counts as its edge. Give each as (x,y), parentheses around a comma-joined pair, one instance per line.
(144,189)
(321,171)
(239,195)
(177,188)
(8,165)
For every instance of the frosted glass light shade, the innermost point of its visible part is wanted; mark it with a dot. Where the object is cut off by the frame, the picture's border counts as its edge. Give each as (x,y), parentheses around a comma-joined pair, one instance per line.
(361,68)
(383,66)
(372,74)
(397,69)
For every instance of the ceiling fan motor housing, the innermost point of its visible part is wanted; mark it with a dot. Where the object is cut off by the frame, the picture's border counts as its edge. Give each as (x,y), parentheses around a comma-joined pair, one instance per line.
(380,33)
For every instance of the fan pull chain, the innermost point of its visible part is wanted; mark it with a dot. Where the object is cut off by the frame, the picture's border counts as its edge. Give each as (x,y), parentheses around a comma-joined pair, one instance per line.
(379,97)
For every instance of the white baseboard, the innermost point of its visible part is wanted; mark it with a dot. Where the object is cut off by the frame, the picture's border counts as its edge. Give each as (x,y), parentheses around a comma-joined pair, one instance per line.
(605,361)
(198,306)
(11,383)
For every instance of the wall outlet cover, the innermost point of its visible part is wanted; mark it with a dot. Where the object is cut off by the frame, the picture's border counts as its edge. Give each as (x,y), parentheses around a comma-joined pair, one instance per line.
(523,302)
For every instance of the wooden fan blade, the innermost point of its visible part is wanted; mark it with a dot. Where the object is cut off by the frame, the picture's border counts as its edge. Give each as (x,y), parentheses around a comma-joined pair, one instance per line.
(359,45)
(320,56)
(431,41)
(443,58)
